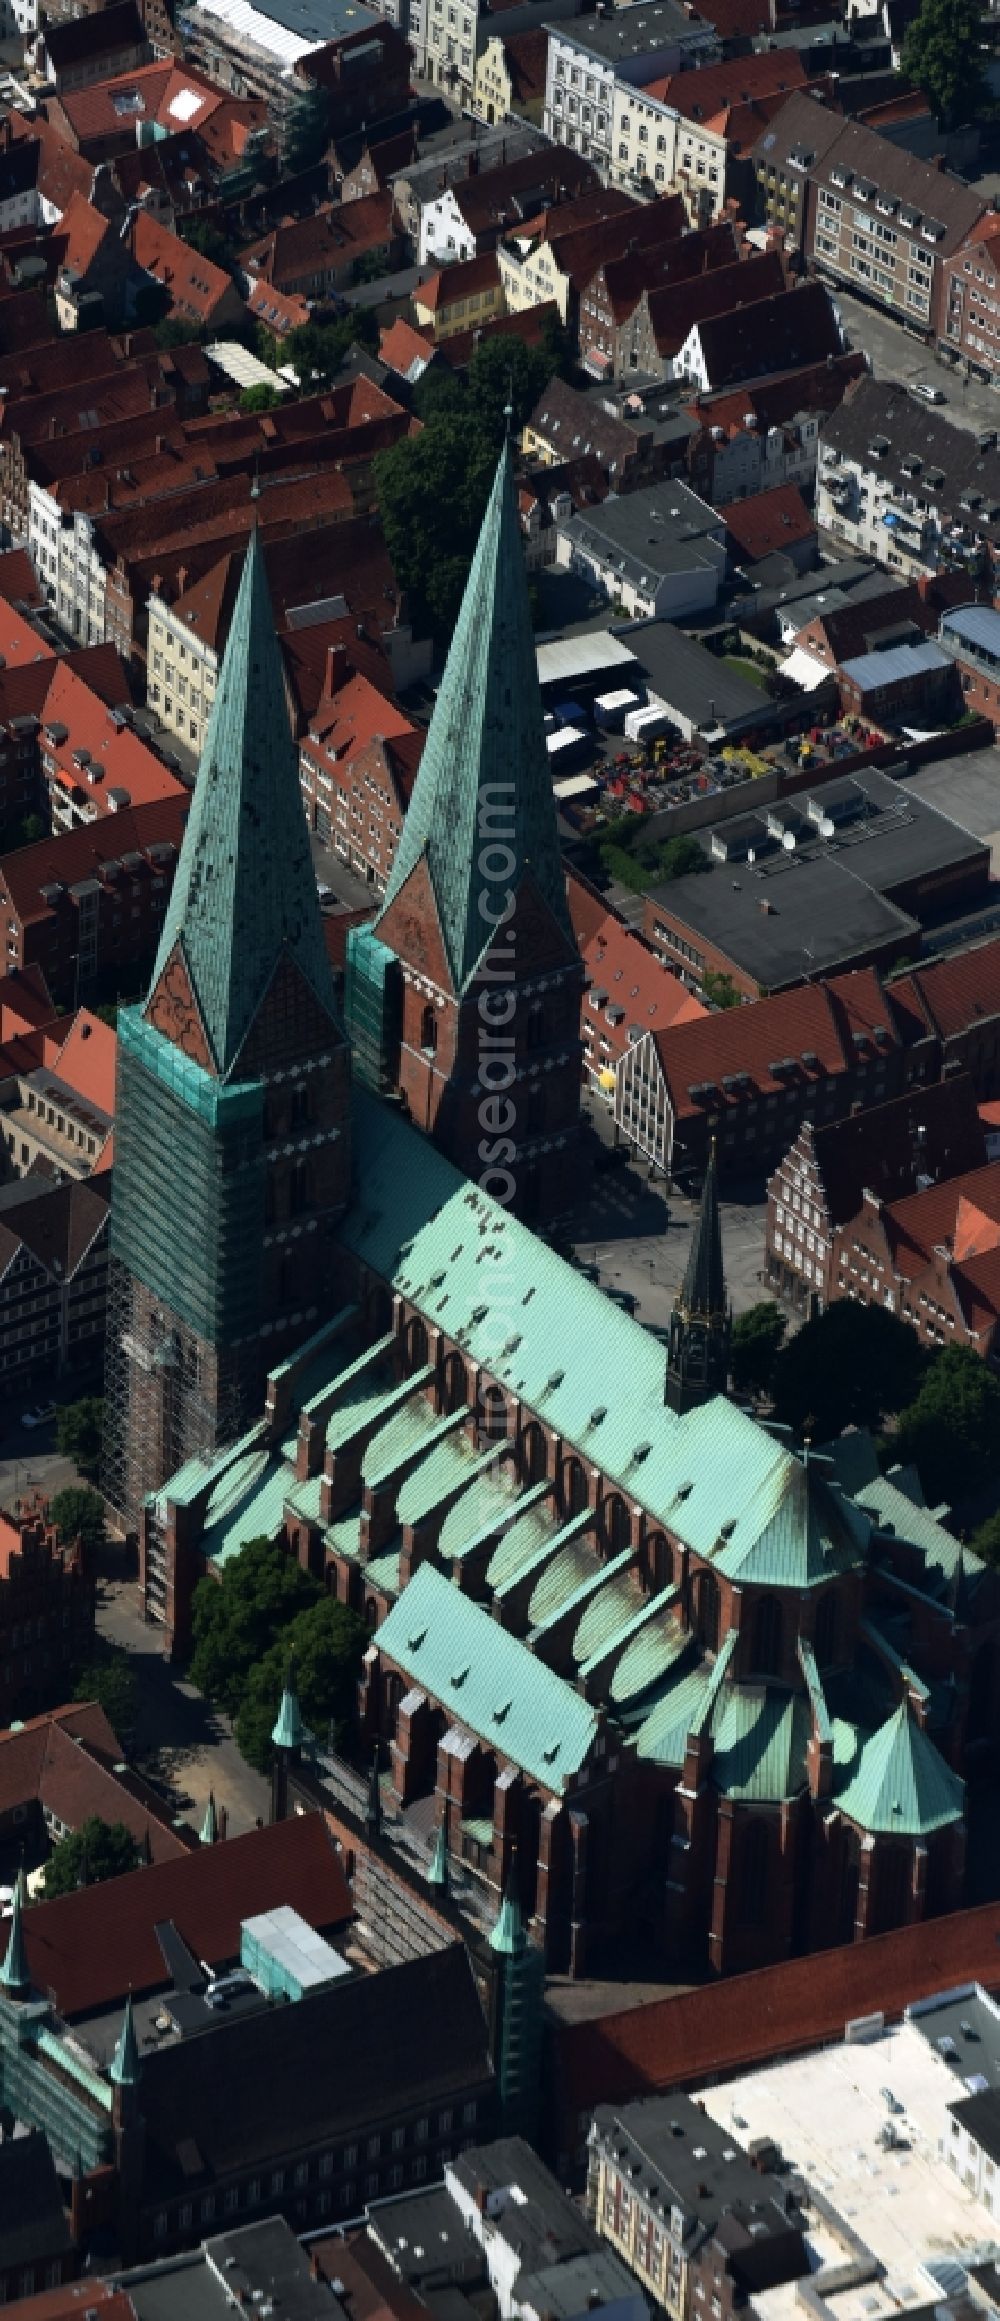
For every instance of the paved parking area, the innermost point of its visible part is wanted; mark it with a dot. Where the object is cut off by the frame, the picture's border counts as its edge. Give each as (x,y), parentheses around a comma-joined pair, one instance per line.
(637,1236)
(897,353)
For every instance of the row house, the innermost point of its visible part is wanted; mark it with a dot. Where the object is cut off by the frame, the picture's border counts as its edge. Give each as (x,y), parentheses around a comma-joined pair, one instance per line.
(46,1594)
(57,1112)
(748,1076)
(53,1280)
(613,312)
(970,634)
(460,297)
(794,328)
(968,324)
(126,386)
(668,314)
(889,1150)
(628,992)
(82,49)
(905,485)
(672,135)
(932,1258)
(536,254)
(357,763)
(700,2223)
(470,215)
(334,571)
(447,39)
(317,256)
(586,69)
(863,211)
(197,291)
(510,76)
(85,909)
(93,763)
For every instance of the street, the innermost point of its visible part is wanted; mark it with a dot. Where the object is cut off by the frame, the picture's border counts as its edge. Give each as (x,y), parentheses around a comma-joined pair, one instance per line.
(637,1236)
(897,353)
(179,1736)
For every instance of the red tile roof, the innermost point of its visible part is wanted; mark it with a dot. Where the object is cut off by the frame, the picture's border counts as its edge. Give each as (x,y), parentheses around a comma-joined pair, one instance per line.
(962,1210)
(777,519)
(692,254)
(949,995)
(84,231)
(18,582)
(88,1949)
(526,56)
(401,346)
(65,1761)
(718,86)
(196,287)
(128,766)
(87,1061)
(675,307)
(354,714)
(81,853)
(816,1017)
(275,308)
(751,2019)
(326,242)
(451,283)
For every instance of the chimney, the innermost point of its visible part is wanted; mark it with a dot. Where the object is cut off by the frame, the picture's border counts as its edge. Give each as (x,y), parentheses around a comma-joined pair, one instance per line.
(181,579)
(336,667)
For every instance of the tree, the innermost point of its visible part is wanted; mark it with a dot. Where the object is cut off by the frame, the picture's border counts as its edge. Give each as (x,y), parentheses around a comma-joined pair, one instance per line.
(504,373)
(432,489)
(208,241)
(942,52)
(757,1337)
(96,1851)
(327,1640)
(986,1542)
(951,1430)
(236,1618)
(315,351)
(719,989)
(111,1682)
(79,1514)
(851,1366)
(262,397)
(172,332)
(79,1433)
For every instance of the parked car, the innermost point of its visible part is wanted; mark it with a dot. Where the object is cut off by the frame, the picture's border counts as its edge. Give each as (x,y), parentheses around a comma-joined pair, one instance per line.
(927,393)
(41,1415)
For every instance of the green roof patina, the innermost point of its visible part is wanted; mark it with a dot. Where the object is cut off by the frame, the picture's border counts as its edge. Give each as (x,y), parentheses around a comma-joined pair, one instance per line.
(125,2068)
(900,1782)
(892,1507)
(414,1427)
(814,1687)
(485,753)
(290,1731)
(244,896)
(453,1463)
(760,1744)
(657,1641)
(609,1612)
(487,1680)
(485,1508)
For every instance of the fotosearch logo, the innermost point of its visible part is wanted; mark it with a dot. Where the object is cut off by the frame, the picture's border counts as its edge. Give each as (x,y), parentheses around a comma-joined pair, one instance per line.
(497,1073)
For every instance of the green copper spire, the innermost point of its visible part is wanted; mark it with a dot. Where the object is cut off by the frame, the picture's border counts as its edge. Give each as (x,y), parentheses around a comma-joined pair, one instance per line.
(245,890)
(289,1731)
(508,1936)
(15,1973)
(485,772)
(125,2065)
(704,1288)
(210,1826)
(437,1873)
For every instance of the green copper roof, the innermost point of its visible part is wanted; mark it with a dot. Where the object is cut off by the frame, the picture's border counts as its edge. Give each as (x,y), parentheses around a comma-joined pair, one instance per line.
(125,2065)
(794,1532)
(437,1871)
(703,1291)
(760,1744)
(487,1679)
(892,1508)
(485,768)
(245,891)
(657,1641)
(900,1783)
(15,1973)
(489,1503)
(289,1731)
(508,1937)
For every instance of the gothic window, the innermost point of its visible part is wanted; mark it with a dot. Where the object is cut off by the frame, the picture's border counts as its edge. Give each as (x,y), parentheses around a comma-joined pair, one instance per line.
(534,1459)
(574,1487)
(659,1560)
(753,1873)
(454,1392)
(706,1611)
(428,1031)
(416,1344)
(534,1030)
(493,1414)
(825,1639)
(767,1636)
(616,1528)
(298,1188)
(301,1106)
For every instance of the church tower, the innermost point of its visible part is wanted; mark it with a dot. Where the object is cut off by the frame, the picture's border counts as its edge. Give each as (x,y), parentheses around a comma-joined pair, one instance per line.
(475,911)
(232,1141)
(700,1323)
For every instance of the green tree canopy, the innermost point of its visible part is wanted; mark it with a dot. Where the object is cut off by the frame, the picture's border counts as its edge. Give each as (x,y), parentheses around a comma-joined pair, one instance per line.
(951,1429)
(986,1542)
(852,1366)
(96,1851)
(942,52)
(79,1433)
(262,397)
(79,1514)
(208,240)
(757,1337)
(505,373)
(316,350)
(719,989)
(110,1680)
(328,1640)
(236,1618)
